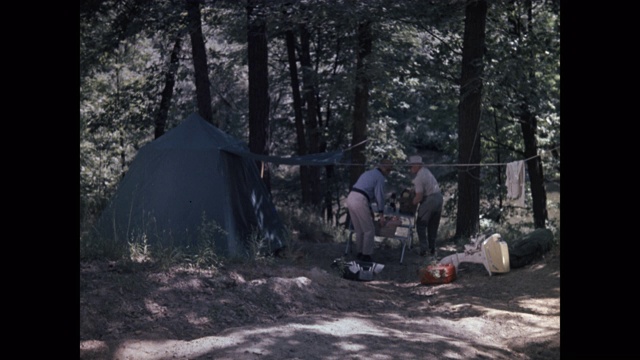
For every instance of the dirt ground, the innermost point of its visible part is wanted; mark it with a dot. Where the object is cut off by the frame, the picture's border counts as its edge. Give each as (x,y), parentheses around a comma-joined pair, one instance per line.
(300,308)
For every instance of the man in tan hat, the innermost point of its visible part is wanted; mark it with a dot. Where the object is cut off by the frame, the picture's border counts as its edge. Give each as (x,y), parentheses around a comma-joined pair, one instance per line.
(368,188)
(429,200)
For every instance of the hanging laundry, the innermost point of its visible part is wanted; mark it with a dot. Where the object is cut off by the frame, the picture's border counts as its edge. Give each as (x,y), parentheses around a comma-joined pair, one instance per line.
(515,182)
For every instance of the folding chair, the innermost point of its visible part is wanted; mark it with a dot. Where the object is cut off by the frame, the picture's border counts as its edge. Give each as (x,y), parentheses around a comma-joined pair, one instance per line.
(404,233)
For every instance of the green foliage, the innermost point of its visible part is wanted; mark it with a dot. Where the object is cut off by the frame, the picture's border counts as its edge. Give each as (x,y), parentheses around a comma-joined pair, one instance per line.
(139,249)
(338,267)
(204,255)
(167,256)
(258,250)
(113,117)
(414,68)
(305,223)
(94,248)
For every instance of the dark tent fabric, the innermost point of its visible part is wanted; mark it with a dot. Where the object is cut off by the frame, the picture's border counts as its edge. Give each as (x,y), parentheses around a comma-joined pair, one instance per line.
(190,176)
(530,247)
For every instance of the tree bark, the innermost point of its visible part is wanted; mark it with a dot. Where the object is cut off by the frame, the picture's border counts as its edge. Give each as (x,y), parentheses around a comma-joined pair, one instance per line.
(167,92)
(361,102)
(259,101)
(297,109)
(330,187)
(529,125)
(309,94)
(468,212)
(203,91)
(329,170)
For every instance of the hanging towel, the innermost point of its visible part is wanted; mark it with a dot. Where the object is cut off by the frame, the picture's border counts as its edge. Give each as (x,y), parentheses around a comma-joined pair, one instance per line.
(515,182)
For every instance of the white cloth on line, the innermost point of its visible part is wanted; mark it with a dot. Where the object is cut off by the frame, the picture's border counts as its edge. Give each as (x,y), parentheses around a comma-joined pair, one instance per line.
(515,182)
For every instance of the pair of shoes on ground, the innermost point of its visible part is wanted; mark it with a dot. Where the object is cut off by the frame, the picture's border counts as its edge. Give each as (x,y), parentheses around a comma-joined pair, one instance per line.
(364,257)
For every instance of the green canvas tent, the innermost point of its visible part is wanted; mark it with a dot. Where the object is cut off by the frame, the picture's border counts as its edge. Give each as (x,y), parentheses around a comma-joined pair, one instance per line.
(192,175)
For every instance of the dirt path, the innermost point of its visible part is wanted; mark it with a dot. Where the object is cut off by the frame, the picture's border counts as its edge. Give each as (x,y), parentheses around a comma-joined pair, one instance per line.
(303,310)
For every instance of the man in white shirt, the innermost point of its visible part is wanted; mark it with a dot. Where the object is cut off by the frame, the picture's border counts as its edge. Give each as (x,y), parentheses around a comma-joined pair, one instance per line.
(429,200)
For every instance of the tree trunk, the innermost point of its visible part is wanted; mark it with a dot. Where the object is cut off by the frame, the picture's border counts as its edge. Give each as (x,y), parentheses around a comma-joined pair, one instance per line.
(468,213)
(499,169)
(203,91)
(258,84)
(528,125)
(297,109)
(309,94)
(167,92)
(329,170)
(361,102)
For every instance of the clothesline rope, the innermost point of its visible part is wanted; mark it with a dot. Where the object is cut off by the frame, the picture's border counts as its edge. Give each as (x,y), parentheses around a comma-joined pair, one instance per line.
(444,165)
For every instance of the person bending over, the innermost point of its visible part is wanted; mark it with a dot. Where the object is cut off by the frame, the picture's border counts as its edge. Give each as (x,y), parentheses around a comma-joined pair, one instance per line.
(369,187)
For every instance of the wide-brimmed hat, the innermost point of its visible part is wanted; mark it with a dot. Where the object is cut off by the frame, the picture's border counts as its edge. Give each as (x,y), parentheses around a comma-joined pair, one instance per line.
(415,160)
